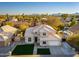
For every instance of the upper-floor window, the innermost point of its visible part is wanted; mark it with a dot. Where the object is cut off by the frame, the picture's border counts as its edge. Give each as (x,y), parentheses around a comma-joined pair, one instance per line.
(44,34)
(44,42)
(35,32)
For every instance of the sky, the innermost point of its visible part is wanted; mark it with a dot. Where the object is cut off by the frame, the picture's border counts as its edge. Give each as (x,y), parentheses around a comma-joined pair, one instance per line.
(38,7)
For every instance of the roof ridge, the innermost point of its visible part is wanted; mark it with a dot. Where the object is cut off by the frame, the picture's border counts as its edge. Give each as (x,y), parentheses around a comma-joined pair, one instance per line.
(54,35)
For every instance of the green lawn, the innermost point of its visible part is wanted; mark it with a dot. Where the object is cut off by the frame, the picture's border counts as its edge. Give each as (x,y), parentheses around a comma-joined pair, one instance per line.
(23,49)
(43,51)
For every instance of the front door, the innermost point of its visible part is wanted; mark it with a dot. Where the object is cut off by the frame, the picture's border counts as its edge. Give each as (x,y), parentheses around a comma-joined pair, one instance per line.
(63,39)
(36,39)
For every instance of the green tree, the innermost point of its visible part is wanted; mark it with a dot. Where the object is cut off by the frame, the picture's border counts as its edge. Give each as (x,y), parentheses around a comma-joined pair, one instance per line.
(54,22)
(23,27)
(74,40)
(64,16)
(73,22)
(10,23)
(61,27)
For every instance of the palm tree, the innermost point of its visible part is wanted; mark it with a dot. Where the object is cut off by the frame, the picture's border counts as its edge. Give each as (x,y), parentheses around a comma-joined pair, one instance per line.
(23,16)
(7,16)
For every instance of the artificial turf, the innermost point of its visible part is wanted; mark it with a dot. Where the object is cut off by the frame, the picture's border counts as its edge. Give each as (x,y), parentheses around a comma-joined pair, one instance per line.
(26,49)
(43,51)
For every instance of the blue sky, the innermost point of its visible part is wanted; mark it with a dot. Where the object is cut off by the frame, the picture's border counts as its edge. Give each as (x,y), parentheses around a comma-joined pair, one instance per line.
(38,7)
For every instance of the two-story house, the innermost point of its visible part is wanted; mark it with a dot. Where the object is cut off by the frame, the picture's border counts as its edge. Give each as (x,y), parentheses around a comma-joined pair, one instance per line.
(43,35)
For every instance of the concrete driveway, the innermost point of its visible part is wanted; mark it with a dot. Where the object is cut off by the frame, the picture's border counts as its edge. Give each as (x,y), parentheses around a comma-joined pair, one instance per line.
(61,51)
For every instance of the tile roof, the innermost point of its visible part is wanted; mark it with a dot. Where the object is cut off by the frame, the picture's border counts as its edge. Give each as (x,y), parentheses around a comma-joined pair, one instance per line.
(74,28)
(8,28)
(49,29)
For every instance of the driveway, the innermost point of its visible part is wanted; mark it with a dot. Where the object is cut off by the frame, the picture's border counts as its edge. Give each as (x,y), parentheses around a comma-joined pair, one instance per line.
(63,50)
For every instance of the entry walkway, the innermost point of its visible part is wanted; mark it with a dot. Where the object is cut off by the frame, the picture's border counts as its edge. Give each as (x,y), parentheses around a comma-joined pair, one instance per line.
(35,49)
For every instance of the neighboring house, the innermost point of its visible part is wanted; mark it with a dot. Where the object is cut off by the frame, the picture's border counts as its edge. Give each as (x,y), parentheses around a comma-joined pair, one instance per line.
(8,28)
(16,24)
(18,37)
(12,19)
(68,19)
(75,29)
(4,41)
(44,19)
(5,38)
(43,35)
(57,14)
(7,35)
(65,34)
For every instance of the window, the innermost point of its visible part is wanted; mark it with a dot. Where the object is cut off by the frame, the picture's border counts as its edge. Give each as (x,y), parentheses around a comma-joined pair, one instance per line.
(44,42)
(29,39)
(44,34)
(35,32)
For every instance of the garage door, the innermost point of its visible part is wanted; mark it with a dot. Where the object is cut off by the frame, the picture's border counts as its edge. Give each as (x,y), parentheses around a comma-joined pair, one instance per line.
(54,43)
